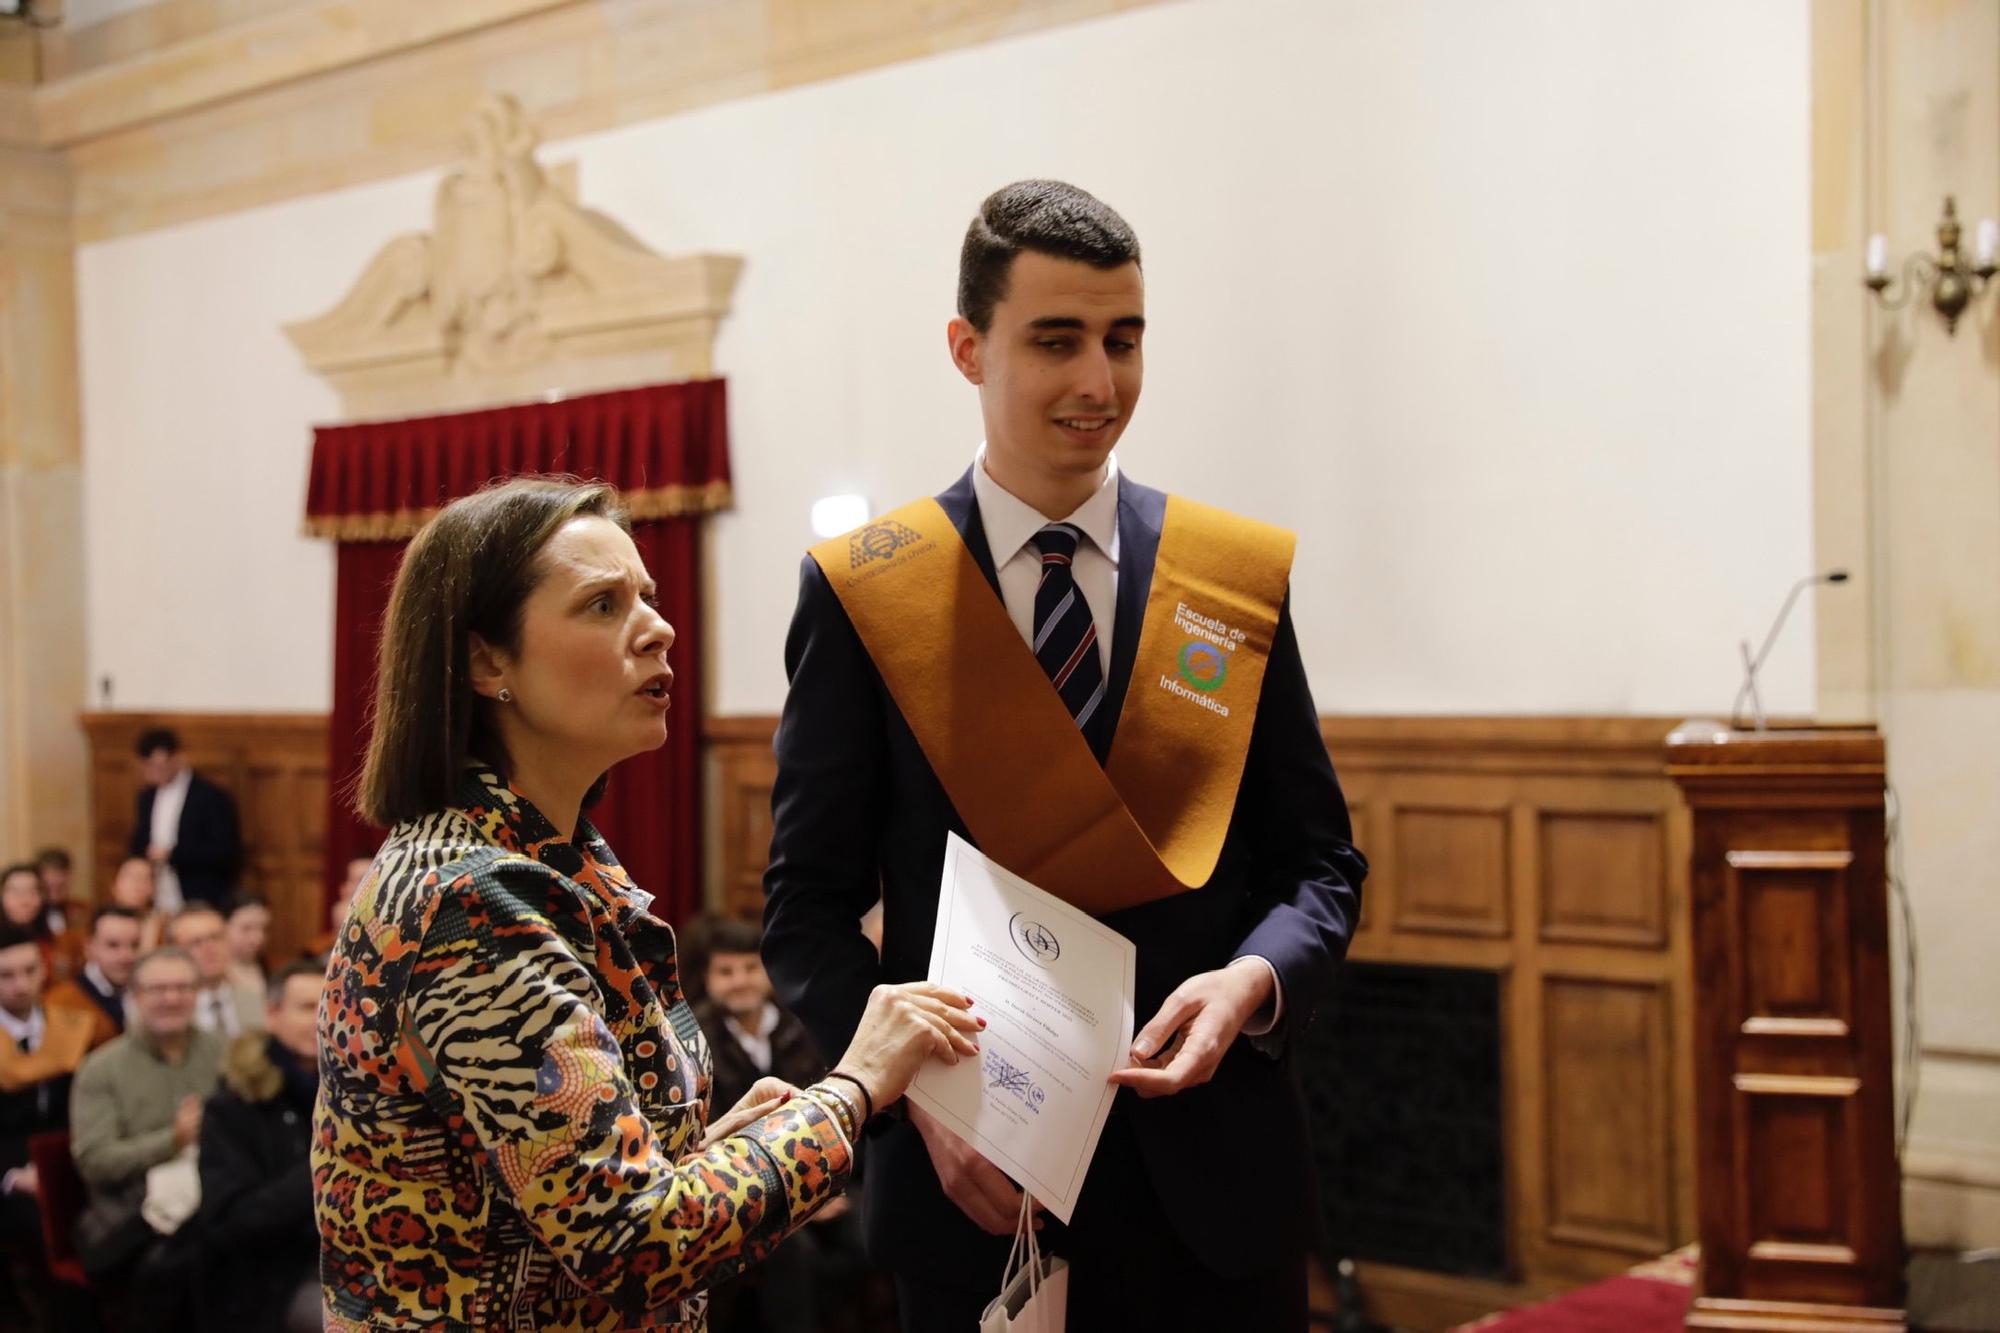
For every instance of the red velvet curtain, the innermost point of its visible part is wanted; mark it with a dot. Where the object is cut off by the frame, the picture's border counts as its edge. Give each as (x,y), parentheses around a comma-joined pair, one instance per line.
(665,448)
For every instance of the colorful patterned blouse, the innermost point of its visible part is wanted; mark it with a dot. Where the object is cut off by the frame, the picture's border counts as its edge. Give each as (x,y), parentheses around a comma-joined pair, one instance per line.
(513,1094)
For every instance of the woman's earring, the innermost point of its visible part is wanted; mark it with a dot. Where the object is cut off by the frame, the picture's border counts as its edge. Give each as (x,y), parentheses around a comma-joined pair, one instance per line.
(506,695)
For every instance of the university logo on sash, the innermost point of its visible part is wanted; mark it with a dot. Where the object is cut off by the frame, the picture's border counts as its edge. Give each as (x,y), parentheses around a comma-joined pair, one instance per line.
(1151,822)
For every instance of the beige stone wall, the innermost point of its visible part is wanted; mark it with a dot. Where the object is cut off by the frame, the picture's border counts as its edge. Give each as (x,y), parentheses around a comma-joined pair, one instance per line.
(1907,477)
(42,761)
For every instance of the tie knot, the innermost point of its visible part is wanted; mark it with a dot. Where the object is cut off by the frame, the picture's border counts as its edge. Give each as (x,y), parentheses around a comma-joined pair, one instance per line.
(1057,542)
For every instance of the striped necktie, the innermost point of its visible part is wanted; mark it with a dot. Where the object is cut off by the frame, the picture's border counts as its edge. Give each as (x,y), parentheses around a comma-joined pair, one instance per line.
(1065,640)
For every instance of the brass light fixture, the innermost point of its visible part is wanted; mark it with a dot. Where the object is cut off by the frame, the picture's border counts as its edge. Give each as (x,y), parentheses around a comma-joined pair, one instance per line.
(1952,283)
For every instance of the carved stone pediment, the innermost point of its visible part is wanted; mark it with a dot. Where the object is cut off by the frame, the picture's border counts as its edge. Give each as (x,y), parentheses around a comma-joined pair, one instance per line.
(516,292)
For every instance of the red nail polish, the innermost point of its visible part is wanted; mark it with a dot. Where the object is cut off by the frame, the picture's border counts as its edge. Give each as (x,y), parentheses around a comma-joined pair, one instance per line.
(982,1022)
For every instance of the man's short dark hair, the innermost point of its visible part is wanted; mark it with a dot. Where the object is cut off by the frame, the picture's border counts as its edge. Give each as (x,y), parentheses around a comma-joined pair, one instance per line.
(53,858)
(241,899)
(274,989)
(113,913)
(1047,217)
(727,934)
(154,739)
(13,936)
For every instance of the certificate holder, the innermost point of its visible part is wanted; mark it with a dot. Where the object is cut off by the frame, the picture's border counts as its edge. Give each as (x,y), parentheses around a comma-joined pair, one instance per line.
(1055,988)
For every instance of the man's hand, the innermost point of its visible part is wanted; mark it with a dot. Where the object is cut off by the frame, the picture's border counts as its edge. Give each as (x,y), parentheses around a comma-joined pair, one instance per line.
(157,853)
(980,1189)
(1187,1039)
(187,1121)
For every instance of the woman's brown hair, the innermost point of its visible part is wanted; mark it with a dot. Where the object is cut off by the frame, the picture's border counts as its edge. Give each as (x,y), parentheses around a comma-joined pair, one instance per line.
(469,571)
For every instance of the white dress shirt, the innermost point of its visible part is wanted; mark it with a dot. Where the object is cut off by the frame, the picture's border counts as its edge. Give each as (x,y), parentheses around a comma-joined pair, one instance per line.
(215,1010)
(757,1045)
(169,799)
(1011,524)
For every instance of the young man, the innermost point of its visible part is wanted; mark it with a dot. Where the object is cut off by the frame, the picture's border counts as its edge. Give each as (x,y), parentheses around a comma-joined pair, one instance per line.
(97,989)
(256,1221)
(185,825)
(1073,670)
(38,1053)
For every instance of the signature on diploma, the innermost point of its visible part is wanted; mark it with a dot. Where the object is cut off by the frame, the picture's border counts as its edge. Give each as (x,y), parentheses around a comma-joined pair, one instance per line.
(1013,1079)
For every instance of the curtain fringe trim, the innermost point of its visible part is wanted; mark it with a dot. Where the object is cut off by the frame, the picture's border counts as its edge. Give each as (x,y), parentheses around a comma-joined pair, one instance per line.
(655,502)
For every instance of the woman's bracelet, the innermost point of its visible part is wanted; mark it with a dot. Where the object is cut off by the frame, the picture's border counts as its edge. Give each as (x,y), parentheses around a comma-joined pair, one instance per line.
(867,1099)
(846,1115)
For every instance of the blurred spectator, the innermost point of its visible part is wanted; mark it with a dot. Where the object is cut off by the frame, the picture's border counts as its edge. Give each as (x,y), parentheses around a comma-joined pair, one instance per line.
(818,1270)
(39,1051)
(137,1106)
(256,1217)
(185,825)
(98,987)
(199,930)
(343,899)
(24,906)
(247,930)
(54,863)
(132,888)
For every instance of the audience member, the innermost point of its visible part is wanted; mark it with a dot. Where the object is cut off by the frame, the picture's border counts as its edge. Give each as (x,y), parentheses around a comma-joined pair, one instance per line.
(817,1270)
(132,888)
(137,1106)
(24,906)
(343,899)
(39,1051)
(185,825)
(54,863)
(246,931)
(98,987)
(256,1220)
(198,929)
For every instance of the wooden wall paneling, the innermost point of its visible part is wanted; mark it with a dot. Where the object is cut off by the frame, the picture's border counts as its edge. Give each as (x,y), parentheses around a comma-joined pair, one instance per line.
(744,770)
(275,767)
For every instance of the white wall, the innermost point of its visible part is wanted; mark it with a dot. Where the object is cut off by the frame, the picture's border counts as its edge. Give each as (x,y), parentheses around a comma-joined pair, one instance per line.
(1503,307)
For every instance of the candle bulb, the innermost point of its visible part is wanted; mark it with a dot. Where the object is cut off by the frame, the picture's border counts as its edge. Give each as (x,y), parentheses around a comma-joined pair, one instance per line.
(1878,255)
(1988,243)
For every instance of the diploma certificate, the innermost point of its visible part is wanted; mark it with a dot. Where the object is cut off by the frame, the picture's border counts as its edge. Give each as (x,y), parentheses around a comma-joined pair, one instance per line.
(1055,988)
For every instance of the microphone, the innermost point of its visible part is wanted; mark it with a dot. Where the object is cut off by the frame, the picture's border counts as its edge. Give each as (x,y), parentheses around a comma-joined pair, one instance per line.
(1752,665)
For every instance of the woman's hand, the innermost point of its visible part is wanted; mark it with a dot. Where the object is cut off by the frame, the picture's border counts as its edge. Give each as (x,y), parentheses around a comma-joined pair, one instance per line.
(765,1096)
(903,1026)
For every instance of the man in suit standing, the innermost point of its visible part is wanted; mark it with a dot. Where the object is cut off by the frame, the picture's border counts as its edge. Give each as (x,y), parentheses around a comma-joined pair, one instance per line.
(185,825)
(1196,1211)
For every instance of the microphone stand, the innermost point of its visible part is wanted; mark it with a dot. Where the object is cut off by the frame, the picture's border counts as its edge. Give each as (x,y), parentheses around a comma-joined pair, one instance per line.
(1752,665)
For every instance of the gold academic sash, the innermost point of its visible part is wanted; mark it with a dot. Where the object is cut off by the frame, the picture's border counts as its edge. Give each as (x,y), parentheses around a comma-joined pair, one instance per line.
(1151,822)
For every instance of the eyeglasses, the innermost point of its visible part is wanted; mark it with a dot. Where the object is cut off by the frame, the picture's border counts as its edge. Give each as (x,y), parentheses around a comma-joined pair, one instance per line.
(167,988)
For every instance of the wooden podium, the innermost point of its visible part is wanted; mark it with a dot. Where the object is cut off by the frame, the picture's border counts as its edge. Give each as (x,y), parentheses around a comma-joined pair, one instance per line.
(1799,1196)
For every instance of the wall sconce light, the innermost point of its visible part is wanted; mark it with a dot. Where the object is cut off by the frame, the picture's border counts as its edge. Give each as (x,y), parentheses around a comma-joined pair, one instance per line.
(1952,285)
(836,514)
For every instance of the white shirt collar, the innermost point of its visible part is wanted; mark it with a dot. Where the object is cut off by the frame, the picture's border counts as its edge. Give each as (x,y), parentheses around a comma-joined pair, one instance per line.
(178,782)
(1012,522)
(27,1031)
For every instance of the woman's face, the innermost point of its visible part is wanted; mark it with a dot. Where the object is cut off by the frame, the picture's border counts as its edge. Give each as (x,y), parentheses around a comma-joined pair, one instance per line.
(248,927)
(132,887)
(21,898)
(590,680)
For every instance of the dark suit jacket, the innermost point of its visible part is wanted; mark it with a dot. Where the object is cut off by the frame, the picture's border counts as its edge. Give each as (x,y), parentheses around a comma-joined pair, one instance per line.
(208,852)
(856,808)
(793,1058)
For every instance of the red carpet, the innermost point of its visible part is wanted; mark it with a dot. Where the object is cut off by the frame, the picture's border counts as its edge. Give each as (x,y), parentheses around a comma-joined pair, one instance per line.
(1652,1298)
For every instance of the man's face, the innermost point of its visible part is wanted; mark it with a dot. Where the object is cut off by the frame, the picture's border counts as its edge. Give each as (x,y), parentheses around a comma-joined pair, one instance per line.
(56,880)
(160,767)
(249,926)
(164,992)
(1059,367)
(294,1019)
(21,897)
(114,947)
(20,979)
(200,933)
(738,984)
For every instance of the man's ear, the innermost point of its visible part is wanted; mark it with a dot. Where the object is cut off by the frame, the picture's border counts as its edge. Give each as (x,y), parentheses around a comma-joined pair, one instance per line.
(968,349)
(483,664)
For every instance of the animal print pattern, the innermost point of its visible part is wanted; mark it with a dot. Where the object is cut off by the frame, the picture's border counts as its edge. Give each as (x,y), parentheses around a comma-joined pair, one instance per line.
(513,1093)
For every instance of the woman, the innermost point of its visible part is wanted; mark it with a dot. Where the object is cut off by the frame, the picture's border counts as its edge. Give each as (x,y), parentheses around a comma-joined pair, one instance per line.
(512,1128)
(24,903)
(132,888)
(246,930)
